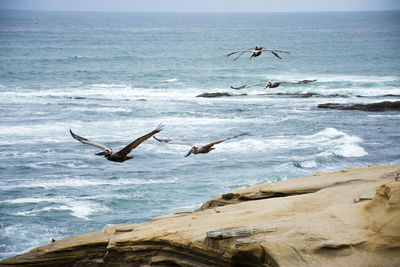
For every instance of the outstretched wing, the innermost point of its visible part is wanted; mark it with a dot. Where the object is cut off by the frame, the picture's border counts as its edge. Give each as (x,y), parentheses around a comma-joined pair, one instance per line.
(88,142)
(297,82)
(126,150)
(173,142)
(220,141)
(275,52)
(247,86)
(241,52)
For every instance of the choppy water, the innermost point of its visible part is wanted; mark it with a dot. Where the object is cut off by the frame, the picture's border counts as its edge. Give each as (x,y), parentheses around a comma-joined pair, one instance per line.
(113,77)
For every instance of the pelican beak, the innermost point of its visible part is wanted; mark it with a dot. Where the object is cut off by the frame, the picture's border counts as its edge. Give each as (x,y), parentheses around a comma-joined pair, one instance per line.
(102,153)
(191,151)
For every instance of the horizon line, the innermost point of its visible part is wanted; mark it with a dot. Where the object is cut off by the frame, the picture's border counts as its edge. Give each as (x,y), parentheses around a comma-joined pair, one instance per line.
(222,12)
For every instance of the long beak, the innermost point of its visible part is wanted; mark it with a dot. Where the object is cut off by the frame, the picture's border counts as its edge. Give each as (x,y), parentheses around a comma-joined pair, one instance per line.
(102,153)
(190,152)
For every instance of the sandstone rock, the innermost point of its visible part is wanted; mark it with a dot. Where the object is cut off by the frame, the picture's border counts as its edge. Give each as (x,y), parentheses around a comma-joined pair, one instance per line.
(309,221)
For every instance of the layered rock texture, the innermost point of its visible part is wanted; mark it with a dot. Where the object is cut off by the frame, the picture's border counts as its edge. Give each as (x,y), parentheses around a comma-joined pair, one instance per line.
(344,218)
(381,106)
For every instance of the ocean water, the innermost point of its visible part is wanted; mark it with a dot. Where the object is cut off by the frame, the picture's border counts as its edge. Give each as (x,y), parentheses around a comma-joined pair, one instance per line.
(112,77)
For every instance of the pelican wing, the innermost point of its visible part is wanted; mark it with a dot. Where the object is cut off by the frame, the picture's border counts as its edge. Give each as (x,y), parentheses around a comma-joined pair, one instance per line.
(275,50)
(239,51)
(247,86)
(275,54)
(173,142)
(126,150)
(297,82)
(222,140)
(88,142)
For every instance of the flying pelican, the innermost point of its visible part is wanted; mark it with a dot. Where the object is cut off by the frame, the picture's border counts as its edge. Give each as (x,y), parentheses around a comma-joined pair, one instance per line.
(121,155)
(270,84)
(256,51)
(195,148)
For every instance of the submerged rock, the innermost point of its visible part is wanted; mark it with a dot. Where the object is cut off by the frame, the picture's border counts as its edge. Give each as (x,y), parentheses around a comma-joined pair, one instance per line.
(214,94)
(303,95)
(381,106)
(308,221)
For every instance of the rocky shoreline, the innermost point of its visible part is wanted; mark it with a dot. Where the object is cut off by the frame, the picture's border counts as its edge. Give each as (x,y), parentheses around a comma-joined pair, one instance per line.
(344,218)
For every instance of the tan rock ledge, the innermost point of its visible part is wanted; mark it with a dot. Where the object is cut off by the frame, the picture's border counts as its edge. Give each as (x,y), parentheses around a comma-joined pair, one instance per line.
(344,218)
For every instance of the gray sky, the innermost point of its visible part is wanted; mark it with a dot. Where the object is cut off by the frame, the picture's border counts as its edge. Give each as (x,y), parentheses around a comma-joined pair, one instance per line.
(202,5)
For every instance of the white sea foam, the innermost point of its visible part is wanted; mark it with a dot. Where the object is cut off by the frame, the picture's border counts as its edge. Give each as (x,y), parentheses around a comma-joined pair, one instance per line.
(170,80)
(309,164)
(78,208)
(100,109)
(80,182)
(349,85)
(329,141)
(337,142)
(324,77)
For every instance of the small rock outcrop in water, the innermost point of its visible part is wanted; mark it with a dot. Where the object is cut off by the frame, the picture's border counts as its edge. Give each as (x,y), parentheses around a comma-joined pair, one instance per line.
(214,94)
(305,95)
(381,106)
(344,218)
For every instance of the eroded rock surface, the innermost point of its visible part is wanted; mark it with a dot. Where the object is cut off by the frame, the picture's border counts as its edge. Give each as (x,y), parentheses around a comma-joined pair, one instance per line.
(381,106)
(345,218)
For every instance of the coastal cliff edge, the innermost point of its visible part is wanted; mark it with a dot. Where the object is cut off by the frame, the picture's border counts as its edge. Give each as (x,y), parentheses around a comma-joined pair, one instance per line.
(345,218)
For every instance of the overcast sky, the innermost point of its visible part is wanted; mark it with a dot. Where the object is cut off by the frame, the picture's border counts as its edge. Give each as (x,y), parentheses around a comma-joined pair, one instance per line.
(202,5)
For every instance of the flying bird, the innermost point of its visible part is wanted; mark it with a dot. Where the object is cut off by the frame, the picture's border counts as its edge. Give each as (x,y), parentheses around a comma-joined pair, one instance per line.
(270,84)
(196,149)
(121,155)
(256,51)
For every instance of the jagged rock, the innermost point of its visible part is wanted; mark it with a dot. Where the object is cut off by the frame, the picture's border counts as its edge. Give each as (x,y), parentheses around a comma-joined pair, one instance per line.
(308,221)
(214,94)
(304,95)
(381,106)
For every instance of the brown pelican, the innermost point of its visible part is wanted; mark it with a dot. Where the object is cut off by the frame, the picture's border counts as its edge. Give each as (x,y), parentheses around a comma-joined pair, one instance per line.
(270,84)
(256,51)
(121,155)
(197,149)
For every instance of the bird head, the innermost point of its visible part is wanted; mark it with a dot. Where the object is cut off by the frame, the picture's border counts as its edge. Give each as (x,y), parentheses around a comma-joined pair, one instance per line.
(105,153)
(191,151)
(269,83)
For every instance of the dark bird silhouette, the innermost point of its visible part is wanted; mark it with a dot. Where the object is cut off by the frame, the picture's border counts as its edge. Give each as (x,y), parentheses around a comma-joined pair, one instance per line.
(270,84)
(256,51)
(121,155)
(196,149)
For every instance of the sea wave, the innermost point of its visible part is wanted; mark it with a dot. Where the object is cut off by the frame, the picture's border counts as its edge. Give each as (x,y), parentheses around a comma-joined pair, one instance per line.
(170,80)
(326,85)
(325,143)
(331,140)
(78,208)
(83,182)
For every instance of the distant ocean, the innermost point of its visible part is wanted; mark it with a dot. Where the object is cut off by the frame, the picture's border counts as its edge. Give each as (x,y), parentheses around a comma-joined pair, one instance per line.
(112,77)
